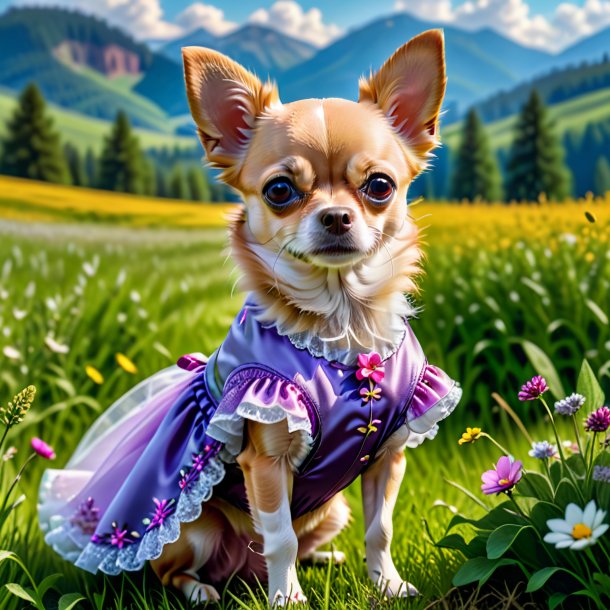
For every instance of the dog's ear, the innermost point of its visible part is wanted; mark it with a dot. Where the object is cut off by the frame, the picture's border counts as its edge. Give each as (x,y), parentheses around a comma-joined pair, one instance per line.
(225,100)
(409,89)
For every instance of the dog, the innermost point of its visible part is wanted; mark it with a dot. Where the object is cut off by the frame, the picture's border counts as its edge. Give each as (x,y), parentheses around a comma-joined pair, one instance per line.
(234,465)
(325,244)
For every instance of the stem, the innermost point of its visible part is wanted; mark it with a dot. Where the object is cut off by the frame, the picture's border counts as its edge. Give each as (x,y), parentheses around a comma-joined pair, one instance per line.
(578,442)
(502,449)
(590,467)
(10,489)
(560,448)
(509,493)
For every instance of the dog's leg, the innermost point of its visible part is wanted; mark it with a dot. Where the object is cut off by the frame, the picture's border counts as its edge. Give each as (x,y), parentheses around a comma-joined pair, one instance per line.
(180,561)
(268,478)
(335,517)
(380,486)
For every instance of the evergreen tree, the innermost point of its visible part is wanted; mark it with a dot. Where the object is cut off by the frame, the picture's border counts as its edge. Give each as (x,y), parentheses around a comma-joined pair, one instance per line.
(121,166)
(178,187)
(476,175)
(31,147)
(162,188)
(198,185)
(91,168)
(76,166)
(602,176)
(535,164)
(149,180)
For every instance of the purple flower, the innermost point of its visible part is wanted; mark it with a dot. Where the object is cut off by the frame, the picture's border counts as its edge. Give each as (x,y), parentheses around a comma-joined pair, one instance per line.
(164,509)
(86,517)
(598,421)
(370,367)
(121,537)
(570,404)
(534,388)
(601,473)
(373,393)
(543,450)
(505,476)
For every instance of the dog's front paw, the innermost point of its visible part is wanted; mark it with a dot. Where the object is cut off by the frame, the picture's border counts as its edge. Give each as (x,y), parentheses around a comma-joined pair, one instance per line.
(281,600)
(392,585)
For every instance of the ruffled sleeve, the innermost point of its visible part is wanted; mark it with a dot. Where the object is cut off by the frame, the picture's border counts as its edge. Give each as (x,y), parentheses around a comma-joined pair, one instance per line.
(260,396)
(436,396)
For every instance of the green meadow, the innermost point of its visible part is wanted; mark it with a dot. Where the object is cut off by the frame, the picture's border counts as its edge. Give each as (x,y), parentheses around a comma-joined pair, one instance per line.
(507,292)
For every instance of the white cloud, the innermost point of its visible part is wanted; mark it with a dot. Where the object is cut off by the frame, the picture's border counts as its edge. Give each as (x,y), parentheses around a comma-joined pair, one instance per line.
(206,16)
(513,18)
(142,18)
(288,17)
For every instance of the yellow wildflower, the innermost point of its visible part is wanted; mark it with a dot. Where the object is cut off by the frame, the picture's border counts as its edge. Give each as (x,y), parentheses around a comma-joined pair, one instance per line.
(126,364)
(470,436)
(589,257)
(94,374)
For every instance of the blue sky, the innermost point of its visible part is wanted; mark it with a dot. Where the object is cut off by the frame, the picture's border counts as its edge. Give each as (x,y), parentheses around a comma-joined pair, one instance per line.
(550,25)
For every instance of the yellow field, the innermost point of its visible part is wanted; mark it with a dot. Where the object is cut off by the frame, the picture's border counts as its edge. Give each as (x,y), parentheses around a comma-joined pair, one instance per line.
(497,225)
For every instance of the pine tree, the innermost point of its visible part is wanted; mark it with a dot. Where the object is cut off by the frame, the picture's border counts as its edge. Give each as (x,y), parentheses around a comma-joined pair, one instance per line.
(121,166)
(162,188)
(476,175)
(178,187)
(198,185)
(602,176)
(91,168)
(75,164)
(31,147)
(535,164)
(149,181)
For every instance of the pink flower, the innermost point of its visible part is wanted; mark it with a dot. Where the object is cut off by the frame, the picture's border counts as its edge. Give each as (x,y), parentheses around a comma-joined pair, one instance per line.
(505,476)
(598,421)
(42,449)
(534,388)
(370,367)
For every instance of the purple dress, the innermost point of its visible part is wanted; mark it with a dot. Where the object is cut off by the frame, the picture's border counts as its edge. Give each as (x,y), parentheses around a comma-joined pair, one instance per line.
(150,461)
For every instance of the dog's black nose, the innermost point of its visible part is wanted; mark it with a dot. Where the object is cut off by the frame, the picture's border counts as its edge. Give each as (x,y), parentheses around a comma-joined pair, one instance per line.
(337,221)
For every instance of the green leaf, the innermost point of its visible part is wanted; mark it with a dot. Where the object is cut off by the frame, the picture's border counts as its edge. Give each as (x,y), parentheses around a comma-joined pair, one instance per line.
(566,493)
(589,387)
(540,578)
(69,600)
(556,475)
(502,539)
(48,583)
(543,366)
(453,541)
(19,591)
(543,511)
(536,485)
(479,570)
(556,599)
(598,312)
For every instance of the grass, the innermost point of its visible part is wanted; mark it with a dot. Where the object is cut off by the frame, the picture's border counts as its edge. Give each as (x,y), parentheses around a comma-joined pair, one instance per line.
(86,132)
(495,275)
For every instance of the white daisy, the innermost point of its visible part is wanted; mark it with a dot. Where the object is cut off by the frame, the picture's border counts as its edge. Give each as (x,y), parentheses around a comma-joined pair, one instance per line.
(580,528)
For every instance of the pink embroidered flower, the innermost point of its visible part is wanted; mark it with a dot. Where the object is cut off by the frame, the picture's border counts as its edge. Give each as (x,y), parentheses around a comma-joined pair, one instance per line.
(370,394)
(371,367)
(121,537)
(42,449)
(164,508)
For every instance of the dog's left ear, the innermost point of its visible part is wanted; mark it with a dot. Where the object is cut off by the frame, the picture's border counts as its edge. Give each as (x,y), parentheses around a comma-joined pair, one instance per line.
(409,88)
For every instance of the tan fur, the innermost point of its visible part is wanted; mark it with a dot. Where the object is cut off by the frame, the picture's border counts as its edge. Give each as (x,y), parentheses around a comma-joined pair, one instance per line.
(328,149)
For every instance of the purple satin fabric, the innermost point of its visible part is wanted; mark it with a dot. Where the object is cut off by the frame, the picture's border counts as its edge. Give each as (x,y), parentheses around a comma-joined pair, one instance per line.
(137,472)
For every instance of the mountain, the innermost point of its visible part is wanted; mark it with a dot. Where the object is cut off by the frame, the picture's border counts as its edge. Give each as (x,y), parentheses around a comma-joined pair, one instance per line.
(260,49)
(478,63)
(78,61)
(557,86)
(591,48)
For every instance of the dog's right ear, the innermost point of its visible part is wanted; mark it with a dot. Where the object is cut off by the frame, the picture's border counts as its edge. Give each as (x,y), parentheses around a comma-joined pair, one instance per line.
(225,100)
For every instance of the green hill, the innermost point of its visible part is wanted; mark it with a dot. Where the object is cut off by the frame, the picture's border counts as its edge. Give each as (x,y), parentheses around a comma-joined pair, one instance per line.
(86,132)
(572,115)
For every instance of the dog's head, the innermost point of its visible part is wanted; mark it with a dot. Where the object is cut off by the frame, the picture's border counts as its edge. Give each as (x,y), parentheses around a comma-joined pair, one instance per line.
(324,181)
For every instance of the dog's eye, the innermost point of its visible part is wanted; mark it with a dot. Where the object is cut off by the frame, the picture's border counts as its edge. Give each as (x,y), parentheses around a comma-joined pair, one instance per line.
(280,192)
(379,188)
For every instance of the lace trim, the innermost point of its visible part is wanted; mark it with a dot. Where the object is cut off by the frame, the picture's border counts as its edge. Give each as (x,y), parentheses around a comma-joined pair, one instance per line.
(112,560)
(426,424)
(228,428)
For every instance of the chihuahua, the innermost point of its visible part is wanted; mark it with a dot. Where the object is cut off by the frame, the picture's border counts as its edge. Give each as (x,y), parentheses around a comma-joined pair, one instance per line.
(328,252)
